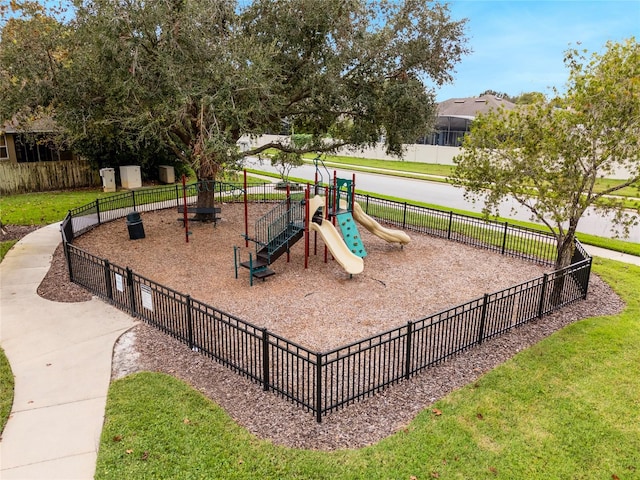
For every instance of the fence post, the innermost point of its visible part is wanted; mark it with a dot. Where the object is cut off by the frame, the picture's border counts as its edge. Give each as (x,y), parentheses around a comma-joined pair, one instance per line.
(133,198)
(177,195)
(98,210)
(450,223)
(409,345)
(265,360)
(504,237)
(366,209)
(404,216)
(132,293)
(318,387)
(73,235)
(107,280)
(68,254)
(483,319)
(189,323)
(585,284)
(543,294)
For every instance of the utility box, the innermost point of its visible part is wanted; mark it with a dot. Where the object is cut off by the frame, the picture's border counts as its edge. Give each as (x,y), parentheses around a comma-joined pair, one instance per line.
(108,176)
(167,174)
(130,176)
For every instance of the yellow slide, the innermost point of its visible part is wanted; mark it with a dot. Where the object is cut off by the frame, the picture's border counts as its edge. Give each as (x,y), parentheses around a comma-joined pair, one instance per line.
(351,263)
(388,234)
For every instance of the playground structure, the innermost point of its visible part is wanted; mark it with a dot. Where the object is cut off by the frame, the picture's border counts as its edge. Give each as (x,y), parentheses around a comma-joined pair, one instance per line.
(330,213)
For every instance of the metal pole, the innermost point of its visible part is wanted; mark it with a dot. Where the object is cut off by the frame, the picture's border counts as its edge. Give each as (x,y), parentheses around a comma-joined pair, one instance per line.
(189,323)
(543,294)
(353,191)
(107,280)
(504,237)
(483,318)
(288,219)
(307,223)
(132,294)
(325,213)
(335,195)
(184,208)
(235,260)
(246,212)
(407,362)
(265,360)
(318,387)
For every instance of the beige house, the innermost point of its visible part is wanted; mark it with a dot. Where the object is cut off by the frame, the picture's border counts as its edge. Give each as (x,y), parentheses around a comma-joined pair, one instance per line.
(456,115)
(33,161)
(34,145)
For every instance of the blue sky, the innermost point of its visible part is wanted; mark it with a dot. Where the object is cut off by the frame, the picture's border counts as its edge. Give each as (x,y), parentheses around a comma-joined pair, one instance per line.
(518,46)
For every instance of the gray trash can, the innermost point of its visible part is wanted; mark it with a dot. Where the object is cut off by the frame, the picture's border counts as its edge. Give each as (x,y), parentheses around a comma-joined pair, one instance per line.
(134,225)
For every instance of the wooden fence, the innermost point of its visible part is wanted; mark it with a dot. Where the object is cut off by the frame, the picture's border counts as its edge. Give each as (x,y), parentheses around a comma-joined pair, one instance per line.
(43,176)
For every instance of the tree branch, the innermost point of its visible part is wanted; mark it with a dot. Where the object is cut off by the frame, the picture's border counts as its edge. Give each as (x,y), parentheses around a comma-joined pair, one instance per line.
(290,149)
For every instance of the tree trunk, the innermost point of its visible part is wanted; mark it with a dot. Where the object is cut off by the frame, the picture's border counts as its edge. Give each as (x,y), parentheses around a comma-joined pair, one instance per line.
(206,199)
(566,247)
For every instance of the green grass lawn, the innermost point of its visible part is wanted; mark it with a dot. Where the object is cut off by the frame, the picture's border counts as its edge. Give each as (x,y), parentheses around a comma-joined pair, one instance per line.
(566,408)
(45,207)
(434,169)
(6,376)
(5,247)
(6,390)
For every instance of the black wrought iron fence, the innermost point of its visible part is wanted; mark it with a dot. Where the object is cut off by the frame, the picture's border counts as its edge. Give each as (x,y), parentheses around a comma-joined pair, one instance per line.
(502,237)
(323,382)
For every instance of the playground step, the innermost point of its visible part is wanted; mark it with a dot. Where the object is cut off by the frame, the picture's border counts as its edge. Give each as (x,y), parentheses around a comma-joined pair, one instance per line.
(257,264)
(264,273)
(281,243)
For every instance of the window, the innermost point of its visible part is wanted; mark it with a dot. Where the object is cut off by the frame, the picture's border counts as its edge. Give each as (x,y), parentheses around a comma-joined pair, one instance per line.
(37,148)
(4,150)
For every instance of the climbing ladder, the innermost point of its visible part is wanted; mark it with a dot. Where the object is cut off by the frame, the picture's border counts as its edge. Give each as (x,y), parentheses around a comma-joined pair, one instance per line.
(350,233)
(341,210)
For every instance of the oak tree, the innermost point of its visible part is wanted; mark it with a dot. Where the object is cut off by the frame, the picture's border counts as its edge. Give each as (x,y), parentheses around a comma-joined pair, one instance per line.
(197,75)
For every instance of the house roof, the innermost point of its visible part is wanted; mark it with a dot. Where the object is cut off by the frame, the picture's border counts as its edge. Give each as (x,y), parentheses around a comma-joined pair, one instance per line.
(39,125)
(472,106)
(457,113)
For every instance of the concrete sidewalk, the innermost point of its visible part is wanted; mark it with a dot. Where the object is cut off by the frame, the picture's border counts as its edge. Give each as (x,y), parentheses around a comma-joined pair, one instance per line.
(604,253)
(60,354)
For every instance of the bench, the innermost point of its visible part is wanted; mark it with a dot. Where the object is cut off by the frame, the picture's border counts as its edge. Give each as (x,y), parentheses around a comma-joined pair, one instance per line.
(200,210)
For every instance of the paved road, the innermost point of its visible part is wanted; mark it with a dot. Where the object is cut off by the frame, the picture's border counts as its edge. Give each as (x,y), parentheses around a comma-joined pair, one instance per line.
(442,194)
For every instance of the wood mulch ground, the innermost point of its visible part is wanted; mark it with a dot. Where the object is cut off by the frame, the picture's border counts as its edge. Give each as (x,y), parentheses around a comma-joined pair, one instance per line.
(321,308)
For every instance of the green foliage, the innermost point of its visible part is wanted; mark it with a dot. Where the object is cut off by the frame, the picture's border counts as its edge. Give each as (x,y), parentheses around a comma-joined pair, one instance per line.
(550,156)
(284,162)
(529,98)
(192,77)
(567,407)
(6,379)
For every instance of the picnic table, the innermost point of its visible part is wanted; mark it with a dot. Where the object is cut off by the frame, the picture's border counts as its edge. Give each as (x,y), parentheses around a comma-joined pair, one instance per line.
(200,210)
